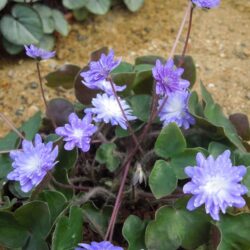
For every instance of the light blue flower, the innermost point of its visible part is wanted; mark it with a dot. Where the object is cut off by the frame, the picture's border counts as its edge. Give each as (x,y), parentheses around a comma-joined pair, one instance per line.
(215,183)
(38,53)
(32,163)
(104,245)
(78,132)
(208,4)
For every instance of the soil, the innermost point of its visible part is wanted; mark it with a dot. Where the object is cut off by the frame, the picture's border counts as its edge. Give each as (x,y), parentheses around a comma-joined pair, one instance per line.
(219,44)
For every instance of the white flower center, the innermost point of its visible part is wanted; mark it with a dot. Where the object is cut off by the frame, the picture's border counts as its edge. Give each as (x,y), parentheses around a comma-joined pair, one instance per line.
(215,185)
(175,105)
(78,133)
(33,163)
(111,107)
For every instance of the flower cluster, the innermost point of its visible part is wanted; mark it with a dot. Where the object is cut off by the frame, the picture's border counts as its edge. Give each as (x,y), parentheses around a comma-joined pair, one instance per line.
(38,53)
(98,73)
(208,4)
(105,106)
(32,163)
(172,89)
(78,132)
(215,183)
(104,245)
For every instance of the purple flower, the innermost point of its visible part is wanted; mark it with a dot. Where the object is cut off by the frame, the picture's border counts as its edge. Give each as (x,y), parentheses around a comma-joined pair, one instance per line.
(106,109)
(99,71)
(168,78)
(175,110)
(38,53)
(32,163)
(208,4)
(215,183)
(104,245)
(105,86)
(78,132)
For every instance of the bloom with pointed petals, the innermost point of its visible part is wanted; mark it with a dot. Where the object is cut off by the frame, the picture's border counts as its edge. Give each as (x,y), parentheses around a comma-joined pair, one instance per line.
(78,132)
(208,4)
(107,109)
(38,53)
(175,110)
(105,86)
(104,245)
(99,71)
(168,78)
(215,183)
(32,163)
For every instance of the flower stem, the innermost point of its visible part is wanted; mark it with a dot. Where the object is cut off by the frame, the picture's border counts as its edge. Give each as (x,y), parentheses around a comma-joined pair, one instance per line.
(187,37)
(43,95)
(11,125)
(124,115)
(189,7)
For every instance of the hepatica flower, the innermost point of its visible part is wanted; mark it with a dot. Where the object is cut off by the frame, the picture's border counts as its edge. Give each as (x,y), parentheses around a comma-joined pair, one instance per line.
(215,183)
(168,78)
(38,53)
(104,245)
(208,4)
(175,110)
(107,110)
(99,71)
(78,132)
(32,163)
(105,86)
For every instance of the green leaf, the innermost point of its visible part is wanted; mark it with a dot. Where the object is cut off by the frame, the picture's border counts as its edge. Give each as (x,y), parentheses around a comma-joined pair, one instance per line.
(246,181)
(134,5)
(15,189)
(189,68)
(24,26)
(12,234)
(184,159)
(105,154)
(98,7)
(234,232)
(121,133)
(98,219)
(31,126)
(35,216)
(123,67)
(47,42)
(81,14)
(216,148)
(215,116)
(141,106)
(60,22)
(5,165)
(133,231)
(173,228)
(37,243)
(151,59)
(11,48)
(64,76)
(76,4)
(170,142)
(162,179)
(56,202)
(143,83)
(143,67)
(45,14)
(10,141)
(68,231)
(67,159)
(3,3)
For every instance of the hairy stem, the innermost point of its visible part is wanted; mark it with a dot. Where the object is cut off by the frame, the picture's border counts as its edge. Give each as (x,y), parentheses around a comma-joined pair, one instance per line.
(187,37)
(43,95)
(189,7)
(124,115)
(11,125)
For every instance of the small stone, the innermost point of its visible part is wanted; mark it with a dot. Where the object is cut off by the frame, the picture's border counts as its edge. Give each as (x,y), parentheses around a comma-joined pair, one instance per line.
(32,110)
(211,85)
(19,112)
(20,62)
(80,37)
(33,85)
(11,73)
